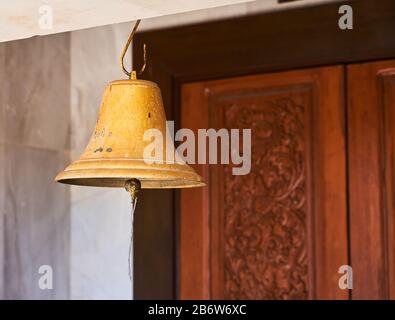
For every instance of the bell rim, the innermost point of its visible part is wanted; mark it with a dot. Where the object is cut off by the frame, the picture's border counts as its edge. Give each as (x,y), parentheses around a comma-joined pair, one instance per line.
(114,173)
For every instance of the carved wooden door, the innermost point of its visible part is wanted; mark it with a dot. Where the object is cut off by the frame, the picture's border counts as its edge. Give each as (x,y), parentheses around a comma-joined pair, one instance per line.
(279,232)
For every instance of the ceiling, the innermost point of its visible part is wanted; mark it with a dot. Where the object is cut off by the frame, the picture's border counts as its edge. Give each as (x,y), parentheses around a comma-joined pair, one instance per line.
(26,18)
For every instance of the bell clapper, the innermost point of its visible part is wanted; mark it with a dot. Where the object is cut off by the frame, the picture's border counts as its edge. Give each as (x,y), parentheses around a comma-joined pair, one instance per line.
(133,186)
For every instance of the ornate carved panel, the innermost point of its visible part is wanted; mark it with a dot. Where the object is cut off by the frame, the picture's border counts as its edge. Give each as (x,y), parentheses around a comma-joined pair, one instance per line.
(265,213)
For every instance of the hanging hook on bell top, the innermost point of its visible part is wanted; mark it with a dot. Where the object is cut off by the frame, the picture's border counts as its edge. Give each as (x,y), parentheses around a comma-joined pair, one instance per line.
(132,74)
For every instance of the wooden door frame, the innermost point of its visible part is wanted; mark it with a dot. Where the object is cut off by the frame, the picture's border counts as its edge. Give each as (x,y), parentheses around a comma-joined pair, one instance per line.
(281,40)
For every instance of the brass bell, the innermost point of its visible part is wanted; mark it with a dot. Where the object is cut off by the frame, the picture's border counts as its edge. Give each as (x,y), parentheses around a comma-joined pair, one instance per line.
(115,153)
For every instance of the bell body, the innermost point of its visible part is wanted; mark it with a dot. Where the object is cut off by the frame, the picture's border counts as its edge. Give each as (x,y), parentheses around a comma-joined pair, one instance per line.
(116,150)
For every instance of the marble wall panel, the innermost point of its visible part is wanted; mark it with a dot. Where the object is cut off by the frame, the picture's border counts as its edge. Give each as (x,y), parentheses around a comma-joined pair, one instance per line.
(36,217)
(35,88)
(34,146)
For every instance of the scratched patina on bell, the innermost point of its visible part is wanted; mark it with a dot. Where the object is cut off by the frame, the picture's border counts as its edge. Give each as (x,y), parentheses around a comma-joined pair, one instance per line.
(115,153)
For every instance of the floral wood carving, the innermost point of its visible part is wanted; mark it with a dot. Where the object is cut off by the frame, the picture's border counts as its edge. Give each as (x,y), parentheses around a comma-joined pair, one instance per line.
(265,249)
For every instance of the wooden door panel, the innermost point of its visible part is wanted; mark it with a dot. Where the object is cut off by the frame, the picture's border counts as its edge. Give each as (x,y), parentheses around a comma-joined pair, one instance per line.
(279,232)
(371,118)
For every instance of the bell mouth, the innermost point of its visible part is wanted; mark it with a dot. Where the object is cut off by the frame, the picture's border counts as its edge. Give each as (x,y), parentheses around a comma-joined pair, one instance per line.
(114,173)
(120,183)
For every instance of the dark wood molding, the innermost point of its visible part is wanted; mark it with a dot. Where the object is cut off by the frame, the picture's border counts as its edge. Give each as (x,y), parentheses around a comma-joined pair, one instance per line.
(267,42)
(282,40)
(370,108)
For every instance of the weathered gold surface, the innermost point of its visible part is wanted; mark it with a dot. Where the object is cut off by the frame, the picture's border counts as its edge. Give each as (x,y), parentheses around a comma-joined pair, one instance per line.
(115,151)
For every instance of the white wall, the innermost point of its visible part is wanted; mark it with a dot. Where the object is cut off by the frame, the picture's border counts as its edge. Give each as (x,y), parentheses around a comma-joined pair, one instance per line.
(100,217)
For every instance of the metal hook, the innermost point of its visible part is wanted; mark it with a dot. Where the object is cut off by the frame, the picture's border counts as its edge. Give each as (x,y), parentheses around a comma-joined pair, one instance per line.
(129,74)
